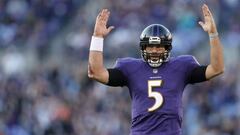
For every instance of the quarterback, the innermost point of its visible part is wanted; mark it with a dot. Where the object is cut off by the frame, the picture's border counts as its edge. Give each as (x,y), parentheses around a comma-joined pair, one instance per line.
(156,81)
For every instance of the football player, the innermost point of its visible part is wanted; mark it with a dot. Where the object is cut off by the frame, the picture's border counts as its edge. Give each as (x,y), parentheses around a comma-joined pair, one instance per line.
(156,82)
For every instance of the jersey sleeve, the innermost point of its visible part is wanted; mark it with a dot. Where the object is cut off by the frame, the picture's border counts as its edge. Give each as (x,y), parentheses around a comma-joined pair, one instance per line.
(118,74)
(195,72)
(192,63)
(121,65)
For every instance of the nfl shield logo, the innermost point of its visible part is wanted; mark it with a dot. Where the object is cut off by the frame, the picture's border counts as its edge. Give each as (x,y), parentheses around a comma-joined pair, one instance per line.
(155,71)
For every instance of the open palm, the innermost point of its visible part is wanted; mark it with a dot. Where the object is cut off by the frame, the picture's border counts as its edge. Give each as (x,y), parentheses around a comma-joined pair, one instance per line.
(208,25)
(101,29)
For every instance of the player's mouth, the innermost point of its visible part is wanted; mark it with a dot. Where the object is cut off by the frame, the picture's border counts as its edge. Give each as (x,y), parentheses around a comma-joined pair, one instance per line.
(155,56)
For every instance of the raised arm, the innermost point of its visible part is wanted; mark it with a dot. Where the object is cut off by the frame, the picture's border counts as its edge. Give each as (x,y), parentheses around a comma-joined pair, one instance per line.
(96,69)
(216,65)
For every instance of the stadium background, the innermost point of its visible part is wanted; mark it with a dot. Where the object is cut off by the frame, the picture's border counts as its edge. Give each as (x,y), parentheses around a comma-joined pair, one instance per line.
(44,89)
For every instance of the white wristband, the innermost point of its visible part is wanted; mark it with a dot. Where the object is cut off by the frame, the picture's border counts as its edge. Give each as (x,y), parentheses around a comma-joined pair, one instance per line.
(96,44)
(213,35)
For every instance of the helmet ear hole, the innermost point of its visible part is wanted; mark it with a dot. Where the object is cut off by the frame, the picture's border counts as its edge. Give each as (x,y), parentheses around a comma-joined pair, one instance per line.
(169,47)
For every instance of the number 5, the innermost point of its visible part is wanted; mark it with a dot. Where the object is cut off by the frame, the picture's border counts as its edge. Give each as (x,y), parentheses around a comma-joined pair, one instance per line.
(156,95)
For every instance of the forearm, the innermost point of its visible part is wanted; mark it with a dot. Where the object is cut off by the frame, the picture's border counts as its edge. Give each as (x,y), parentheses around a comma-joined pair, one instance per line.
(96,69)
(216,54)
(96,61)
(216,66)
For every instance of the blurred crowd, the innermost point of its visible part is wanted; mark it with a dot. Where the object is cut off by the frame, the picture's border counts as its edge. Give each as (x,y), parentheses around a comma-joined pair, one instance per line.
(44,46)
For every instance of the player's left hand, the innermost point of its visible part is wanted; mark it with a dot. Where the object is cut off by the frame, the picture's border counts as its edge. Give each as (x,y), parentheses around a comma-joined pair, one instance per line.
(208,25)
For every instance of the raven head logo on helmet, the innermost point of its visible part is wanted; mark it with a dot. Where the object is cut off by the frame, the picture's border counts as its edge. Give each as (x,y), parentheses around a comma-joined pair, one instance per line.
(159,36)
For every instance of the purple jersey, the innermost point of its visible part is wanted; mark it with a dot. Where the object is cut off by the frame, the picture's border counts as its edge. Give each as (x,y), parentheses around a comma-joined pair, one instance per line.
(157,93)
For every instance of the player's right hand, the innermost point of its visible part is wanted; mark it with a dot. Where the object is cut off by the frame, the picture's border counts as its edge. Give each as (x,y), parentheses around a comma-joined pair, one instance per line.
(101,29)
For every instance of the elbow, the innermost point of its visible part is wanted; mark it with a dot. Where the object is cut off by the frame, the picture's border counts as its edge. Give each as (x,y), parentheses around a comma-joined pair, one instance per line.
(97,73)
(219,71)
(213,72)
(90,76)
(90,72)
(94,72)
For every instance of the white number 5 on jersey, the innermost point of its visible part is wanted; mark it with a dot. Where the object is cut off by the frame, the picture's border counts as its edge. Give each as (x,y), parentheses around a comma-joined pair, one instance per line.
(156,95)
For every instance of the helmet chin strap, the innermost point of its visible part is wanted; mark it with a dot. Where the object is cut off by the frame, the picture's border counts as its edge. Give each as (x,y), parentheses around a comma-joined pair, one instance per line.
(156,63)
